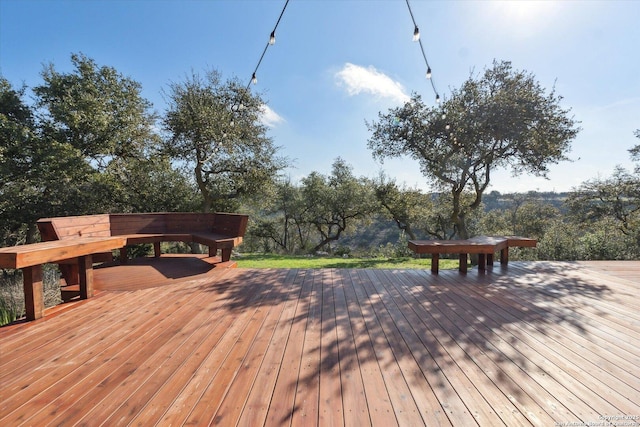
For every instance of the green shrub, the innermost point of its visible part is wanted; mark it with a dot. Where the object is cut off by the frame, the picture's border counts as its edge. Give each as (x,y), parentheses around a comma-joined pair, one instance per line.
(11,297)
(12,293)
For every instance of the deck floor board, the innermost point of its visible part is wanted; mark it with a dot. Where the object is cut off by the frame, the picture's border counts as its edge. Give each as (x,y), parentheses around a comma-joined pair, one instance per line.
(177,341)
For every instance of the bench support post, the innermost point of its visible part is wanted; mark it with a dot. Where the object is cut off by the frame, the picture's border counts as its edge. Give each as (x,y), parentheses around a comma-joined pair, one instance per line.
(213,250)
(86,276)
(226,254)
(33,296)
(156,249)
(123,255)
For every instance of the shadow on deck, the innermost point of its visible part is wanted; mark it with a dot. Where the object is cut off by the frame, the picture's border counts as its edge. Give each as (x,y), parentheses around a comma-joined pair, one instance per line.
(530,344)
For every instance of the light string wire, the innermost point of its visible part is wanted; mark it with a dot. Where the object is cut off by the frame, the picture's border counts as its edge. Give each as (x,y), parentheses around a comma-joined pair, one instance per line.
(419,40)
(272,41)
(272,38)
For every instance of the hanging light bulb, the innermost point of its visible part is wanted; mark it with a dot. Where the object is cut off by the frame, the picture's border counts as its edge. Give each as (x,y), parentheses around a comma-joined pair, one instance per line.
(437,98)
(444,116)
(272,38)
(254,79)
(447,126)
(428,72)
(416,34)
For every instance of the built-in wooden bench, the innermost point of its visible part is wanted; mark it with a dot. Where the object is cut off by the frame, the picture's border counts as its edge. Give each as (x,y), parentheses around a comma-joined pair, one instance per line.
(30,259)
(484,246)
(219,231)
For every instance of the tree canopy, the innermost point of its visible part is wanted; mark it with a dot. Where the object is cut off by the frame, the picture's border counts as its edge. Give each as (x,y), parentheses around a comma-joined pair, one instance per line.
(336,202)
(500,119)
(40,176)
(616,198)
(96,110)
(86,144)
(215,128)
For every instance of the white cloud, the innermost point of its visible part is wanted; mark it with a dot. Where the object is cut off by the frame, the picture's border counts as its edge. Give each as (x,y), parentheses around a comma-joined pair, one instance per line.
(359,80)
(269,117)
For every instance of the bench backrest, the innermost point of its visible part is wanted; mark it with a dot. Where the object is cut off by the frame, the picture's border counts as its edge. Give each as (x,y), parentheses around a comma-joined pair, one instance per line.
(230,224)
(104,225)
(74,226)
(191,221)
(137,224)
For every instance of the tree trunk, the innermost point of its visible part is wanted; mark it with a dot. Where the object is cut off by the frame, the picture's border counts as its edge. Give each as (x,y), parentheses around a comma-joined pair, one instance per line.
(32,232)
(458,217)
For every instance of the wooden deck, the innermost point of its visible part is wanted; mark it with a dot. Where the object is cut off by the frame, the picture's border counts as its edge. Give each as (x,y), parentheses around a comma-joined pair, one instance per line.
(529,344)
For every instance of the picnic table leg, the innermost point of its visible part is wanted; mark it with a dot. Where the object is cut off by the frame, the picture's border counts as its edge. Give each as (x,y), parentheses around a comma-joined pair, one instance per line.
(435,261)
(86,276)
(33,296)
(489,259)
(504,256)
(463,263)
(482,262)
(156,249)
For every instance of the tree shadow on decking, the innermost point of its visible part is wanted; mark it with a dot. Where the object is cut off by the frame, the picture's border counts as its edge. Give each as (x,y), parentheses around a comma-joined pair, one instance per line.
(434,332)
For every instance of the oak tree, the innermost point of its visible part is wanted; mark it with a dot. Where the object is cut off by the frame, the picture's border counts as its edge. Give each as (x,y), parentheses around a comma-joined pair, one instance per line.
(501,119)
(215,128)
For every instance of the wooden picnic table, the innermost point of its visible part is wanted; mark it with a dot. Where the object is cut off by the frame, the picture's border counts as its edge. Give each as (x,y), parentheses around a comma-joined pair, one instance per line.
(484,246)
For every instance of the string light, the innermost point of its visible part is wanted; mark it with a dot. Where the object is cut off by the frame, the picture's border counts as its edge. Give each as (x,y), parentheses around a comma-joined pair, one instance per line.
(271,42)
(416,37)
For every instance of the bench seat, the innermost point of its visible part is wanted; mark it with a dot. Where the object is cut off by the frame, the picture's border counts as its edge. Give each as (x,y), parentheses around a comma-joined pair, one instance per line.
(484,246)
(221,231)
(218,231)
(76,242)
(29,258)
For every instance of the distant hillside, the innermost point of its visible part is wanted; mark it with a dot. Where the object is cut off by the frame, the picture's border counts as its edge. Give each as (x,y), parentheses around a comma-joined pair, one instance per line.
(496,200)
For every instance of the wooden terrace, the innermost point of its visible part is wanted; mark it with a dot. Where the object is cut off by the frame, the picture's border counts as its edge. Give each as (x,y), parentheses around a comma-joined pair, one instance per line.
(171,341)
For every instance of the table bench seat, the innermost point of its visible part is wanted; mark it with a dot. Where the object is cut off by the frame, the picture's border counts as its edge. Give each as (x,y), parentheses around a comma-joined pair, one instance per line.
(484,246)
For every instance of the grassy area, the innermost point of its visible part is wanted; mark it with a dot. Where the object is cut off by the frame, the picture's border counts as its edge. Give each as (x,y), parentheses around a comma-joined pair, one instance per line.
(290,261)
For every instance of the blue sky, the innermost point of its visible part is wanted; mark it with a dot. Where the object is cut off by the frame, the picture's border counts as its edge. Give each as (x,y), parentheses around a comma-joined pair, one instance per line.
(337,63)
